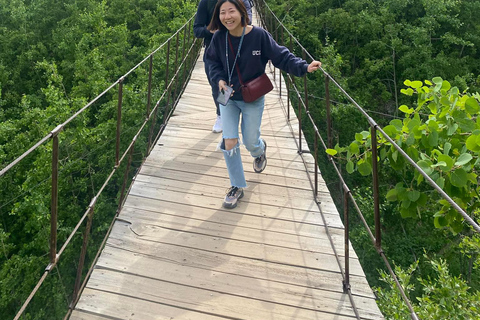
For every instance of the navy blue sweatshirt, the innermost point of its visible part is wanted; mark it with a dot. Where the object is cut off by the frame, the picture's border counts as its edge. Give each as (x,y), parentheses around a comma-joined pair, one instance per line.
(258,47)
(204,16)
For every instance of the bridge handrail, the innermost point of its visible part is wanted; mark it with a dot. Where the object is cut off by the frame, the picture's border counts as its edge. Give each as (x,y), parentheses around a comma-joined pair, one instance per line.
(187,61)
(275,23)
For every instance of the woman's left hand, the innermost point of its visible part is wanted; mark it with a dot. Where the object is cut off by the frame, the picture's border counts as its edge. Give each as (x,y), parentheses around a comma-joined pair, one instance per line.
(314,66)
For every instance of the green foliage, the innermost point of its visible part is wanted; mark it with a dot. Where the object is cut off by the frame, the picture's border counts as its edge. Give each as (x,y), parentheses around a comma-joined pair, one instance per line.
(54,58)
(440,135)
(444,296)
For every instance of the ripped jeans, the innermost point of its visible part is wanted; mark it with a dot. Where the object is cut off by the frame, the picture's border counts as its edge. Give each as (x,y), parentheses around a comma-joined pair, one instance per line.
(251,114)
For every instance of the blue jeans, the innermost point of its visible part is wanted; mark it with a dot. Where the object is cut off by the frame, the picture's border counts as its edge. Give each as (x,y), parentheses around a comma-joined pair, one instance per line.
(251,114)
(214,86)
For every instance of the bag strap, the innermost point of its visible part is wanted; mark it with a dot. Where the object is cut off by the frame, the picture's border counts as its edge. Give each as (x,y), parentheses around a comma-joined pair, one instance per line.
(236,65)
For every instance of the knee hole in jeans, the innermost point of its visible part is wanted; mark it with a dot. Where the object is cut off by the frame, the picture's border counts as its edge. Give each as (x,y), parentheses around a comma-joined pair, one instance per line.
(230,143)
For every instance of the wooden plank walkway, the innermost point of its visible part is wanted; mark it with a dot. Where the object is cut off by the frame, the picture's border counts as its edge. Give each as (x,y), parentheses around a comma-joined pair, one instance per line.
(175,253)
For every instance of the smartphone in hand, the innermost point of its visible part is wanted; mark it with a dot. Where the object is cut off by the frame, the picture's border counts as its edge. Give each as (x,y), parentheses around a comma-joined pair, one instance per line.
(224,95)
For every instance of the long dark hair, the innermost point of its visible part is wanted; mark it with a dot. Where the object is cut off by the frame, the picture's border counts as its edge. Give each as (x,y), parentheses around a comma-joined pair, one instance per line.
(216,24)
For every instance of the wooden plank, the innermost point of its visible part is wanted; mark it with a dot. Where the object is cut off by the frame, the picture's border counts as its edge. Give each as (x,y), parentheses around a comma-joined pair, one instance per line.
(199,300)
(235,284)
(255,229)
(234,264)
(285,214)
(125,306)
(153,236)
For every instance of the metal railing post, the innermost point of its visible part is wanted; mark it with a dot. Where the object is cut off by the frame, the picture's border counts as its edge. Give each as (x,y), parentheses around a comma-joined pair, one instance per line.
(125,177)
(175,69)
(346,218)
(329,114)
(83,253)
(376,193)
(167,87)
(149,92)
(305,82)
(119,120)
(54,200)
(315,156)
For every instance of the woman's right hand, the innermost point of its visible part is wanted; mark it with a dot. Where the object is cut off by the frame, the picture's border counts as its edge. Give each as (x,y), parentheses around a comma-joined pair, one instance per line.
(222,85)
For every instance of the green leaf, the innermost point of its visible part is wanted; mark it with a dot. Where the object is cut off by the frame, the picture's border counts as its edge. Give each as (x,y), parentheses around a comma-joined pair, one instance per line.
(433,139)
(458,178)
(426,165)
(416,84)
(408,213)
(446,148)
(353,148)
(447,160)
(463,159)
(406,109)
(365,134)
(407,83)
(392,195)
(446,85)
(397,123)
(391,131)
(472,143)
(452,129)
(428,82)
(364,168)
(331,152)
(471,105)
(437,80)
(440,222)
(413,195)
(440,182)
(359,137)
(408,92)
(350,167)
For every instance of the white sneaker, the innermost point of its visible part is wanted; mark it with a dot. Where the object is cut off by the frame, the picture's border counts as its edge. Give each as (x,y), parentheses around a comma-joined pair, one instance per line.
(217,127)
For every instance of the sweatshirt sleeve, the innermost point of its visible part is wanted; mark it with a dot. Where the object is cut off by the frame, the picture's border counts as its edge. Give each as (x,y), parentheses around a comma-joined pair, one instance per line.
(282,58)
(201,22)
(215,62)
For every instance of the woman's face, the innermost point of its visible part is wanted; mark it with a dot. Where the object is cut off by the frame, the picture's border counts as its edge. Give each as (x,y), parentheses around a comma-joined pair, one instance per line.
(230,17)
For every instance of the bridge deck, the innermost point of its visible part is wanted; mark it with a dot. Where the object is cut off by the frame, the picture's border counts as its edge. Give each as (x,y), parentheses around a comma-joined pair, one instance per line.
(175,253)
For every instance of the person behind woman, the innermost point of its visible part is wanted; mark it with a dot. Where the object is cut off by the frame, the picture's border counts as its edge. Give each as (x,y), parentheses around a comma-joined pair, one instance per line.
(256,48)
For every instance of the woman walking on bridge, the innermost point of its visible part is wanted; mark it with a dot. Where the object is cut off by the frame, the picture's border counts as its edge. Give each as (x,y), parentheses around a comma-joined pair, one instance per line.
(238,47)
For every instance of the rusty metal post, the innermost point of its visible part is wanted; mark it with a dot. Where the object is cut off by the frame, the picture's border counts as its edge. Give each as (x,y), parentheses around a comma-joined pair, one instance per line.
(54,200)
(299,124)
(119,120)
(346,218)
(149,92)
(305,82)
(175,69)
(167,87)
(376,193)
(183,54)
(125,178)
(83,253)
(290,83)
(329,114)
(315,156)
(280,71)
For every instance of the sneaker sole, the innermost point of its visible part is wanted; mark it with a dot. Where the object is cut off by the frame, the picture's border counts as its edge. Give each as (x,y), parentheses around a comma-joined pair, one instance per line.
(231,206)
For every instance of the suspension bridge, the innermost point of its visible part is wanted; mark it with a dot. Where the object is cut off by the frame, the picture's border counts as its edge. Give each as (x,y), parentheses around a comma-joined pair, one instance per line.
(173,252)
